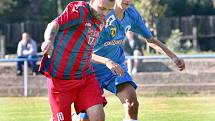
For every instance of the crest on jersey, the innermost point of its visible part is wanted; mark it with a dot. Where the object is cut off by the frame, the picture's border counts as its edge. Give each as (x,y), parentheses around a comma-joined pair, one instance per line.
(113,31)
(127,28)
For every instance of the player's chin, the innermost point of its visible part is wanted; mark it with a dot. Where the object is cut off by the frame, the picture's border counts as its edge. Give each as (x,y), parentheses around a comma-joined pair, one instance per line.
(125,5)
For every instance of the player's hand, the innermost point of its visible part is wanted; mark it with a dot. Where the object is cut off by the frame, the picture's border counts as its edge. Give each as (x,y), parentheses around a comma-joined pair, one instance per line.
(47,48)
(114,67)
(179,63)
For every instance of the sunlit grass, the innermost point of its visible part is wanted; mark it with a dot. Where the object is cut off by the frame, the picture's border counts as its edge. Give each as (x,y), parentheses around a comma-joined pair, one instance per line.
(151,109)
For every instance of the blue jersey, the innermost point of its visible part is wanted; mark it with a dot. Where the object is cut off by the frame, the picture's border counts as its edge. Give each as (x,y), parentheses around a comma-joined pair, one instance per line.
(111,38)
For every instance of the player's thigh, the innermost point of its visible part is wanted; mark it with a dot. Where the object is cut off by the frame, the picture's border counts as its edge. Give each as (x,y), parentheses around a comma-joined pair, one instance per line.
(60,101)
(60,106)
(90,95)
(126,92)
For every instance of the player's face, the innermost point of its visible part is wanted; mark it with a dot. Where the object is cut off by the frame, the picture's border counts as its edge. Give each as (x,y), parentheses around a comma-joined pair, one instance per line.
(123,3)
(102,7)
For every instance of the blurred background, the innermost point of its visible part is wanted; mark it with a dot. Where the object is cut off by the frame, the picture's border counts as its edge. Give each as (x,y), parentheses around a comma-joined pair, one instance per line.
(191,21)
(187,27)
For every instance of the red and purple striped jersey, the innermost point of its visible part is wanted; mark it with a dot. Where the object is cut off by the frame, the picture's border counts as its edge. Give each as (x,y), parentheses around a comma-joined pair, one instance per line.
(73,44)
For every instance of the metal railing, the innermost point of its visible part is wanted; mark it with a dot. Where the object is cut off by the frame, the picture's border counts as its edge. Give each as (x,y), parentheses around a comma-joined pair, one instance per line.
(161,58)
(128,58)
(25,70)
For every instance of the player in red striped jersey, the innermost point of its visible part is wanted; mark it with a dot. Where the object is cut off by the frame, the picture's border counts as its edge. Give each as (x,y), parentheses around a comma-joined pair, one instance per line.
(68,45)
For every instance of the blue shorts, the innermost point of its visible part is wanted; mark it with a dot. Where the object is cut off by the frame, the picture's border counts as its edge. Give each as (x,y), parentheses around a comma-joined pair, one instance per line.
(109,81)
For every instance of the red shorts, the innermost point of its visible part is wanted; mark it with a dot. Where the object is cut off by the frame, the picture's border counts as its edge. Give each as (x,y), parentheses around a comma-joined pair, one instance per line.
(84,93)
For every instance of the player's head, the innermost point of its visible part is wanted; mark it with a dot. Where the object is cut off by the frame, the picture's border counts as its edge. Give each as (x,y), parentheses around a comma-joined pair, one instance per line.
(102,7)
(123,4)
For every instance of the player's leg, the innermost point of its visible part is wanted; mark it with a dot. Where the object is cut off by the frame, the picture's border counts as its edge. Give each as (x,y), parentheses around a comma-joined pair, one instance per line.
(91,100)
(96,113)
(124,88)
(60,110)
(60,99)
(127,95)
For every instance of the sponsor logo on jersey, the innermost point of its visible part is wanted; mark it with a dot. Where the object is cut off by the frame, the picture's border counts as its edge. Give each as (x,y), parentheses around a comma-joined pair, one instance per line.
(113,42)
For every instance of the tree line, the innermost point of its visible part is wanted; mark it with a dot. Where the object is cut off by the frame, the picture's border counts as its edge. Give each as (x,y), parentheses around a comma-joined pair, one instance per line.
(12,11)
(44,10)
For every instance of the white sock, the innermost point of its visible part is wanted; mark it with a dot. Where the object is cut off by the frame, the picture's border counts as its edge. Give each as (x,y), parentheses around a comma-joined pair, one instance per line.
(129,120)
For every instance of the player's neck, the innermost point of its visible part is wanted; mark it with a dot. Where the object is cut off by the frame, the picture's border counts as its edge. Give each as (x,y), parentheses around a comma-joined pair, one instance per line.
(119,12)
(94,12)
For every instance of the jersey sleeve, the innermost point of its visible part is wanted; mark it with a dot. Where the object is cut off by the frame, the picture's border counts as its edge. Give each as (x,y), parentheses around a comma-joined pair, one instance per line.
(140,27)
(70,16)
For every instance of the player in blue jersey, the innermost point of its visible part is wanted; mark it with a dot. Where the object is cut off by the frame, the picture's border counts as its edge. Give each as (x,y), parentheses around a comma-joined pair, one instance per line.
(112,73)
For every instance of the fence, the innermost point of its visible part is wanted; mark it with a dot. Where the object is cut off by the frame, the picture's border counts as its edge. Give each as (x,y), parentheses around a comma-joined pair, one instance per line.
(13,33)
(2,46)
(129,58)
(195,28)
(161,58)
(25,71)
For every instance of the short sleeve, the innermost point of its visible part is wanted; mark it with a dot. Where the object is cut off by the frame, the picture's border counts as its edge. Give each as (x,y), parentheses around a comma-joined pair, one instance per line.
(70,16)
(140,27)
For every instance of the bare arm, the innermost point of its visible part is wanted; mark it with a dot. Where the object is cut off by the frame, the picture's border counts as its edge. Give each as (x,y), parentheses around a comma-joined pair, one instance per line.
(114,67)
(51,31)
(49,36)
(160,47)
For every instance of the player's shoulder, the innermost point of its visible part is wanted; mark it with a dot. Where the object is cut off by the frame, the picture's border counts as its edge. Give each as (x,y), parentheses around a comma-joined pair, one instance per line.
(79,7)
(110,15)
(76,5)
(132,11)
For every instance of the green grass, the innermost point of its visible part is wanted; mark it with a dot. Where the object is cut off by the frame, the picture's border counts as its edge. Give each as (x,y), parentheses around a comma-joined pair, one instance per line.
(151,109)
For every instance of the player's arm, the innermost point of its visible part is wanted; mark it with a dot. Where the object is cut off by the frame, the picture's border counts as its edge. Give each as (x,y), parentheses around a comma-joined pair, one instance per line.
(140,28)
(114,67)
(160,47)
(49,36)
(69,17)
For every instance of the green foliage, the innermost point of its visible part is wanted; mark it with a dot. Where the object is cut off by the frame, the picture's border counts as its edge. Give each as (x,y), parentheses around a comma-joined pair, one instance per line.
(188,7)
(150,9)
(31,10)
(173,42)
(6,5)
(28,10)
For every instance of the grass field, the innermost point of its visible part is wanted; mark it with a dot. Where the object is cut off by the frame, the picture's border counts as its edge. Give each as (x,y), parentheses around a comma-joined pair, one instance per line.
(151,109)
